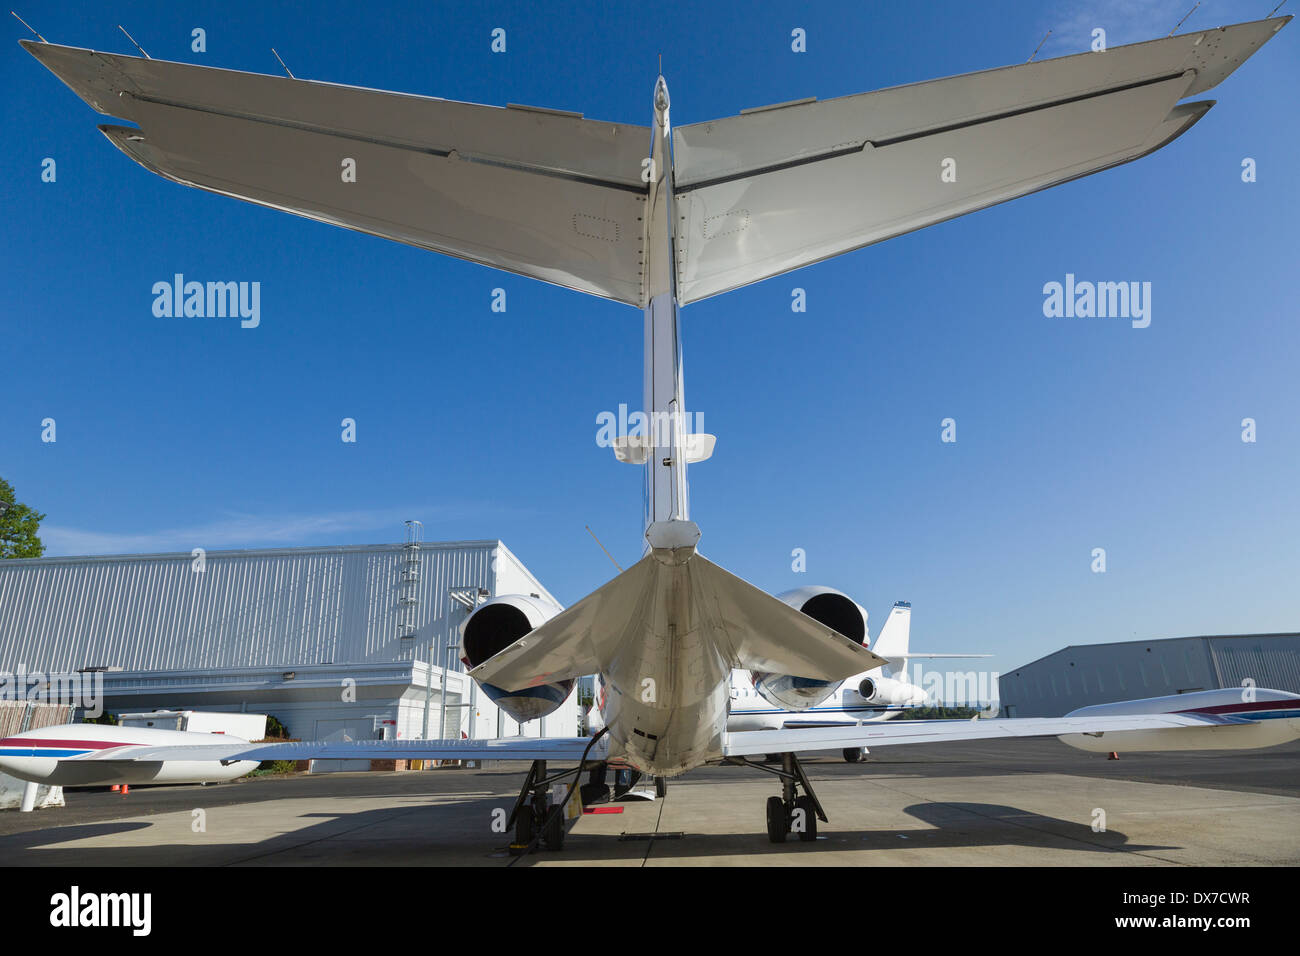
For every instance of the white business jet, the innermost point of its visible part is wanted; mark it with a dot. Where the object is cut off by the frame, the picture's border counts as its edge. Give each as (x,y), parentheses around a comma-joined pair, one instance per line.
(658,218)
(761,702)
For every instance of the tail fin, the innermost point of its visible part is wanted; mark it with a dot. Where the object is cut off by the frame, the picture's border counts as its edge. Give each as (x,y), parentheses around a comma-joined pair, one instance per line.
(895,635)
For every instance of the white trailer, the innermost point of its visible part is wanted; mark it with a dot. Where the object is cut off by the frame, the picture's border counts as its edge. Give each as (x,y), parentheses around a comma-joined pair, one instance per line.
(243,726)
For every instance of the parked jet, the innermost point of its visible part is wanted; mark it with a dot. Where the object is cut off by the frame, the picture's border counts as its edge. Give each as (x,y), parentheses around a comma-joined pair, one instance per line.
(658,218)
(881,693)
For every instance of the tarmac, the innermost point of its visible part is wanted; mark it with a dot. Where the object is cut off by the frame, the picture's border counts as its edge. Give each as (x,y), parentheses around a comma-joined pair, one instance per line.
(1000,803)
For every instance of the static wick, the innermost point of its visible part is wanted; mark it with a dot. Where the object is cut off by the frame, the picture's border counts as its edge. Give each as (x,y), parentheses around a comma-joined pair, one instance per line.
(1039,47)
(602,547)
(286,69)
(43,40)
(1189,13)
(1270,13)
(132,39)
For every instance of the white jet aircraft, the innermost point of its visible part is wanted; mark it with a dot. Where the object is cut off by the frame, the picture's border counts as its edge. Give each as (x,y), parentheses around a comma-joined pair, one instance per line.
(758,702)
(706,208)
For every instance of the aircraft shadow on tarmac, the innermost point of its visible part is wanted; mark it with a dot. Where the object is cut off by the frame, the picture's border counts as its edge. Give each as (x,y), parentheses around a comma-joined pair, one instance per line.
(443,833)
(30,839)
(459,833)
(954,825)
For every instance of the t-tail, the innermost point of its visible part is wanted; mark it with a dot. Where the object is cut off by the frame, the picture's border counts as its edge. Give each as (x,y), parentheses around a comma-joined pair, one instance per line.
(892,642)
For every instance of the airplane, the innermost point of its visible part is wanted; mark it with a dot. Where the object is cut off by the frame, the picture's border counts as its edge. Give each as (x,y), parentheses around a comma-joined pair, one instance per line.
(657,218)
(52,756)
(882,693)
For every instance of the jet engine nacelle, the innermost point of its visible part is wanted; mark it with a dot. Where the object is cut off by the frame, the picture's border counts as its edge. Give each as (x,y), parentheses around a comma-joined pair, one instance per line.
(492,628)
(887,692)
(827,606)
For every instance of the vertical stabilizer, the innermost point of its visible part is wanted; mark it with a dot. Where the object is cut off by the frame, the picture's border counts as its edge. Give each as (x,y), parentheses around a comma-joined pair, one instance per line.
(895,635)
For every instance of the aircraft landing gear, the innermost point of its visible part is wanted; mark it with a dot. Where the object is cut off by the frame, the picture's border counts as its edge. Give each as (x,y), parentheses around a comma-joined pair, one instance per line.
(792,812)
(852,754)
(534,817)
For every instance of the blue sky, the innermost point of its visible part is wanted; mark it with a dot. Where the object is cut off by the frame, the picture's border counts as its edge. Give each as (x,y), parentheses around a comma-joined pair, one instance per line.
(1072,433)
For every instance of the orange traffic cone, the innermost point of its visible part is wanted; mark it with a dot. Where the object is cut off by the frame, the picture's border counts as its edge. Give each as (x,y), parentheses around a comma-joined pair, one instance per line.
(125,790)
(1113,756)
(115,787)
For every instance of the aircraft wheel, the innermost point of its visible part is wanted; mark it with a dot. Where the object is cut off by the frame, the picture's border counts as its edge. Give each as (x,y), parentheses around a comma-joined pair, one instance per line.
(661,787)
(778,821)
(852,754)
(553,835)
(809,833)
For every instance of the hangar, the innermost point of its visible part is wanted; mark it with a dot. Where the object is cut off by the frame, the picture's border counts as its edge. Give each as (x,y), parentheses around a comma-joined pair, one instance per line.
(354,641)
(1083,674)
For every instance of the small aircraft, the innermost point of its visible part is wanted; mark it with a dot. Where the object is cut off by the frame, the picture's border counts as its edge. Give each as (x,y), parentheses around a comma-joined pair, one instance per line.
(92,755)
(881,693)
(659,217)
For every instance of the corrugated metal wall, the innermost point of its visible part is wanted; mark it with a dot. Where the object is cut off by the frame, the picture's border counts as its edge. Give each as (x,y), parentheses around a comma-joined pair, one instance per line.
(1270,661)
(246,608)
(1080,675)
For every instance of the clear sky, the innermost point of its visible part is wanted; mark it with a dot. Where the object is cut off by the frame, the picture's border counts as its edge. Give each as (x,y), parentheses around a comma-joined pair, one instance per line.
(1072,434)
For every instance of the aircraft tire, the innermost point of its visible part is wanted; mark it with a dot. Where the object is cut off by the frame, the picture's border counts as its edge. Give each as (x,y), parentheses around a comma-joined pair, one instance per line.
(553,835)
(778,821)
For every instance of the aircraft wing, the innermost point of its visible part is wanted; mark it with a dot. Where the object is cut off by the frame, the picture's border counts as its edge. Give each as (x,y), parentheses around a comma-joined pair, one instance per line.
(788,185)
(746,627)
(502,748)
(541,193)
(893,733)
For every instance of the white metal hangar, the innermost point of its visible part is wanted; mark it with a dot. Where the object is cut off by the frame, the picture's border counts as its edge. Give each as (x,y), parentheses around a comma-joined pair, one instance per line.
(1083,674)
(357,640)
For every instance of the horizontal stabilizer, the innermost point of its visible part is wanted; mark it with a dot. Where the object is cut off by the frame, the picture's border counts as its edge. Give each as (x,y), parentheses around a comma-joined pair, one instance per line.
(537,192)
(775,189)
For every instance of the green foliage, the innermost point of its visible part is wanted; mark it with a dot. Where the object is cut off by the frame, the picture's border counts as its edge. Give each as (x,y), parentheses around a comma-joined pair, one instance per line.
(269,767)
(18,526)
(104,718)
(275,729)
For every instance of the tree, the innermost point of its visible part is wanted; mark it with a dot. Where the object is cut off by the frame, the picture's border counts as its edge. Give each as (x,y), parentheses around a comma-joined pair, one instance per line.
(18,526)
